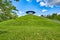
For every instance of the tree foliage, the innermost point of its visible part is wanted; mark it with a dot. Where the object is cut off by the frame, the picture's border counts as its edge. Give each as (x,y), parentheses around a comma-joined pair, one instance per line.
(54,16)
(6,9)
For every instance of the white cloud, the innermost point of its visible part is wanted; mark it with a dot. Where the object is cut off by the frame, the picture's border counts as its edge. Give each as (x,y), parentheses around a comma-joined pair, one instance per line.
(48,3)
(20,12)
(51,6)
(44,10)
(58,13)
(16,11)
(38,0)
(39,15)
(28,0)
(43,4)
(20,15)
(53,2)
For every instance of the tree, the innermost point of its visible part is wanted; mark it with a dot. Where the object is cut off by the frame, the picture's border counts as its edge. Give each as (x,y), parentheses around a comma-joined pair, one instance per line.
(6,8)
(54,16)
(58,17)
(42,15)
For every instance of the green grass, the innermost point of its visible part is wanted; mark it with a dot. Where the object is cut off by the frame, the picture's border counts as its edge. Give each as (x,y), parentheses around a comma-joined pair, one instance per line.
(30,27)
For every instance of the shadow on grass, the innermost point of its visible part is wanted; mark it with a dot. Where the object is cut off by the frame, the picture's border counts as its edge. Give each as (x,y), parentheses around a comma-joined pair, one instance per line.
(3,32)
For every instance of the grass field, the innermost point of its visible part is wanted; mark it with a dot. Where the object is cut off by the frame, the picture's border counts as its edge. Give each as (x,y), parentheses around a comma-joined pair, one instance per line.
(30,27)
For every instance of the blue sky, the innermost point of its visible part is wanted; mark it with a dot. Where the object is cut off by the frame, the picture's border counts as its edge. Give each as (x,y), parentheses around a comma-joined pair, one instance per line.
(44,7)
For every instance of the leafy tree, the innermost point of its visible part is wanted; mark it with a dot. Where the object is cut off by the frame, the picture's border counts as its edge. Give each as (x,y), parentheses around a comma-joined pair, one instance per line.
(54,16)
(42,15)
(58,17)
(6,6)
(6,9)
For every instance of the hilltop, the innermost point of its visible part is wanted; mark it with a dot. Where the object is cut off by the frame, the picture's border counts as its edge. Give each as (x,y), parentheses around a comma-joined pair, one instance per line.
(30,20)
(30,27)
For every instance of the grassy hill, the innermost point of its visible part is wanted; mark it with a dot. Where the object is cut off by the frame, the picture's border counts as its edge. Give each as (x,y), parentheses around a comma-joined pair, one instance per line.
(30,27)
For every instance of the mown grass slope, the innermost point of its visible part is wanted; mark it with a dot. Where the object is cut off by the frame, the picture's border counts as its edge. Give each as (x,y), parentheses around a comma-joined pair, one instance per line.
(30,27)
